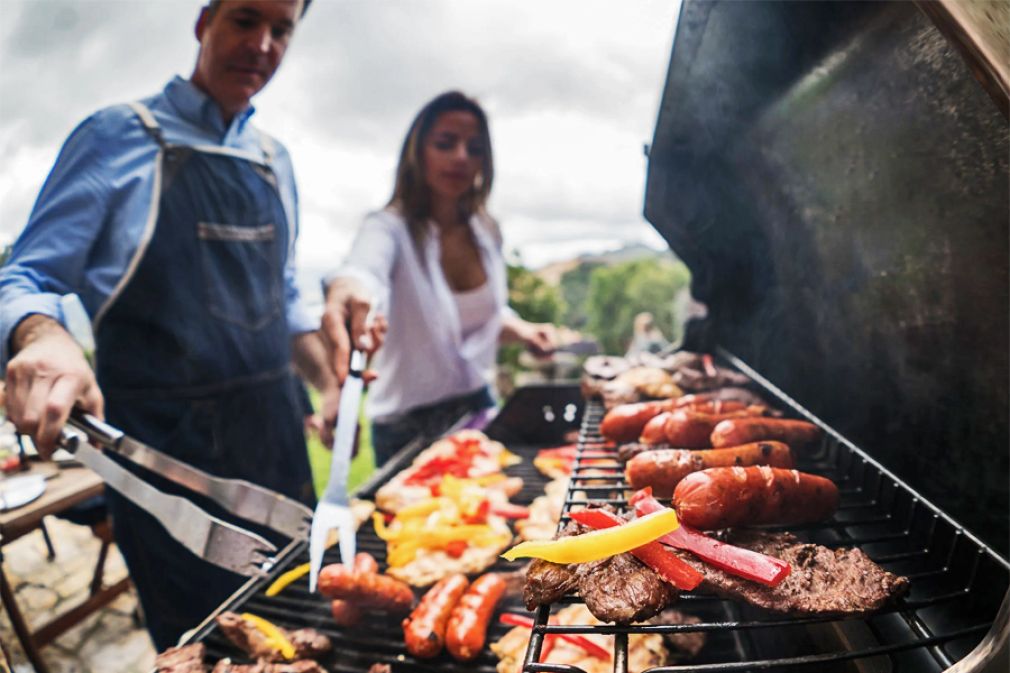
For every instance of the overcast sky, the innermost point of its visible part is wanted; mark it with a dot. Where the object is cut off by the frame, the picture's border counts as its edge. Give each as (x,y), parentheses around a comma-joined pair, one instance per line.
(572,89)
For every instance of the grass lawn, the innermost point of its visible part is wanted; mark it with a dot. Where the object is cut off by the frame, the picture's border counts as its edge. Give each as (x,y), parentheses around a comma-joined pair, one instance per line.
(319,456)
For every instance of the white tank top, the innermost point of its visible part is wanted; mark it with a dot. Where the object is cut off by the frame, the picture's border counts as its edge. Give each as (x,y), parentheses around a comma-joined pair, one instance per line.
(476,307)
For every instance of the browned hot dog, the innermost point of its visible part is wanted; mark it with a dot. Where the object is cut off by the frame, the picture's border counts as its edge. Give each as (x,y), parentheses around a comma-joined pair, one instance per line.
(692,430)
(654,431)
(736,431)
(424,629)
(624,423)
(467,629)
(664,468)
(722,497)
(345,613)
(369,590)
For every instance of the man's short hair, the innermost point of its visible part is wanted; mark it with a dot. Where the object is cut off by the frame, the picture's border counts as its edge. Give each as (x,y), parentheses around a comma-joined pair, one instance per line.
(214,5)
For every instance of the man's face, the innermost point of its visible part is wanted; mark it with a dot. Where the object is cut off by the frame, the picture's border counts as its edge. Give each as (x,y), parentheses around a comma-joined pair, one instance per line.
(241,46)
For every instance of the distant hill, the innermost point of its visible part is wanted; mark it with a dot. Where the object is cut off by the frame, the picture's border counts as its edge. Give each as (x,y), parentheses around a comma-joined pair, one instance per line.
(553,272)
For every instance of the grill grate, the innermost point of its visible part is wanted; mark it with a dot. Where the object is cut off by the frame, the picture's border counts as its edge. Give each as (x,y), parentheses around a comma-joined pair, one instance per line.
(957,582)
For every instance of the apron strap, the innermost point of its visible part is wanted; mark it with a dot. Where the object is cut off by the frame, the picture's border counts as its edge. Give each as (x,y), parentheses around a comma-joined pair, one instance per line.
(268,147)
(147,119)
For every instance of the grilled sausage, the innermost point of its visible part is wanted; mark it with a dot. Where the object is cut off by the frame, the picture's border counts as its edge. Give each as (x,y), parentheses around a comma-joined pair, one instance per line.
(624,423)
(742,395)
(368,590)
(654,431)
(692,430)
(424,629)
(663,469)
(467,629)
(722,497)
(737,431)
(345,613)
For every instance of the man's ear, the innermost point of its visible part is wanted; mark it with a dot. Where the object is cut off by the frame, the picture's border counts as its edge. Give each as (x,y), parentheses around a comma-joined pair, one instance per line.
(201,24)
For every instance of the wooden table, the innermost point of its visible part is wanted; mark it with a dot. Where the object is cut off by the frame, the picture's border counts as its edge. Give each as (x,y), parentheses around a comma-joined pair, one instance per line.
(66,486)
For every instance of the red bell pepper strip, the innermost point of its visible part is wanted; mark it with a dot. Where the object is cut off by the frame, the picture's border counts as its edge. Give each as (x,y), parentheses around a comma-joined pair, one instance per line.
(665,563)
(745,563)
(706,362)
(510,511)
(582,642)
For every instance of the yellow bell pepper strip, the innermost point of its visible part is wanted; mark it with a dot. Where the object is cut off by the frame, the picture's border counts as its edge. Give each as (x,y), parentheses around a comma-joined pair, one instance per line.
(664,562)
(598,544)
(275,637)
(287,578)
(423,508)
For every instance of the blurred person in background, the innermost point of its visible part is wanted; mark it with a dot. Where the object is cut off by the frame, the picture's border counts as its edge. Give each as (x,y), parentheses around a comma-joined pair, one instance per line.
(174,221)
(432,261)
(646,337)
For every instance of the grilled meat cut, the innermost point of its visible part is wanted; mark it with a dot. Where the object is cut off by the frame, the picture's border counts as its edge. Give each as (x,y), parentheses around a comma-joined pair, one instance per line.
(618,589)
(308,643)
(685,645)
(187,659)
(823,581)
(628,451)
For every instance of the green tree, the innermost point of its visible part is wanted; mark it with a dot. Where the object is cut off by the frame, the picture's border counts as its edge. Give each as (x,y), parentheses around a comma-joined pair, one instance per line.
(618,293)
(534,300)
(575,291)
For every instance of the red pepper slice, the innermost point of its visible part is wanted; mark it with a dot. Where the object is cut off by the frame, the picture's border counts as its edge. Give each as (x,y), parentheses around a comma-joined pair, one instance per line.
(511,511)
(664,562)
(589,646)
(745,563)
(456,548)
(706,362)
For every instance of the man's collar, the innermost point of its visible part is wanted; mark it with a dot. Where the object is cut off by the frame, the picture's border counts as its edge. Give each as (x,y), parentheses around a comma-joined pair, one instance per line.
(197,107)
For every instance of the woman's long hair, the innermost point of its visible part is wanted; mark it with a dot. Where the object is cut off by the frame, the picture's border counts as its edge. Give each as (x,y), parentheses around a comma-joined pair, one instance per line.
(411,196)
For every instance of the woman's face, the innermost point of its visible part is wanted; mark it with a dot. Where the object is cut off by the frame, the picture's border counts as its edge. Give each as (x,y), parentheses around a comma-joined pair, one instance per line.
(453,154)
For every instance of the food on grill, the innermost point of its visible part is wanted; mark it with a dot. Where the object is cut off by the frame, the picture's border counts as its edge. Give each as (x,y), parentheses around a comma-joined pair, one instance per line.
(824,582)
(424,629)
(624,423)
(598,544)
(545,511)
(736,431)
(654,432)
(366,590)
(344,612)
(685,645)
(696,372)
(628,451)
(262,640)
(467,454)
(467,628)
(186,659)
(743,396)
(723,497)
(644,650)
(380,668)
(663,469)
(689,429)
(303,666)
(459,530)
(639,383)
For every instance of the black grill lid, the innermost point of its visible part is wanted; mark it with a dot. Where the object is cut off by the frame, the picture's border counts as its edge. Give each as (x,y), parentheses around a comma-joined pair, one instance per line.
(837,182)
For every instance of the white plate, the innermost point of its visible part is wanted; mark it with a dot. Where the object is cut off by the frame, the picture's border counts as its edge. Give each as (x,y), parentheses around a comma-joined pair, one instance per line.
(18,491)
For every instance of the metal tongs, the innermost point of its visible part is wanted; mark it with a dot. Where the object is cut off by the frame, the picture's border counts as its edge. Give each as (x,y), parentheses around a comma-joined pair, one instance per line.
(212,539)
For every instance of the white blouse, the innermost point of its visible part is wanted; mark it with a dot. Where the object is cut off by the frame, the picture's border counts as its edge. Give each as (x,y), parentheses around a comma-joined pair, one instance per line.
(428,356)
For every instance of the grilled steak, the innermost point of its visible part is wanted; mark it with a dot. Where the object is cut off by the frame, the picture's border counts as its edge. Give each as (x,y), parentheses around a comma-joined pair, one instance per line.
(307,642)
(621,589)
(823,581)
(616,589)
(188,659)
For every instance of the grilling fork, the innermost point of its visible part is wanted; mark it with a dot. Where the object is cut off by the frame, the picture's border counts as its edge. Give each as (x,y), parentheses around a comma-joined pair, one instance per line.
(212,539)
(333,510)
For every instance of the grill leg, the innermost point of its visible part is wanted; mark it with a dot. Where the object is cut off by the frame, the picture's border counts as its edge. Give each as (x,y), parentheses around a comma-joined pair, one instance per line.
(20,628)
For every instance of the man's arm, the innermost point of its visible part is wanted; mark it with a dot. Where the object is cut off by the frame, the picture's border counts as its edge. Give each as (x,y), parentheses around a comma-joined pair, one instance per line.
(47,376)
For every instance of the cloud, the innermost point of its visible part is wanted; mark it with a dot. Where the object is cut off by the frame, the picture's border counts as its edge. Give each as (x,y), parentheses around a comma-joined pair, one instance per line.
(572,89)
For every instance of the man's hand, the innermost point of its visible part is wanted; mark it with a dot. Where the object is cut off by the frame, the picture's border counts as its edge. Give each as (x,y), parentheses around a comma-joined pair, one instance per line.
(45,379)
(348,304)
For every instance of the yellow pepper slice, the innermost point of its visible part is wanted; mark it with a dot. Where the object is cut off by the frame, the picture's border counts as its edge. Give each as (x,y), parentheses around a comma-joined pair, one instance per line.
(506,458)
(423,508)
(601,543)
(275,637)
(287,578)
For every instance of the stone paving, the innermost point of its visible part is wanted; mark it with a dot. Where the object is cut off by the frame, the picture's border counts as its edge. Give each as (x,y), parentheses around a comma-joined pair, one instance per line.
(107,641)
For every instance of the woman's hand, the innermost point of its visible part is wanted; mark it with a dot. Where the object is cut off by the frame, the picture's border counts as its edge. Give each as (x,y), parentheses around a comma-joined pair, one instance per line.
(348,304)
(540,338)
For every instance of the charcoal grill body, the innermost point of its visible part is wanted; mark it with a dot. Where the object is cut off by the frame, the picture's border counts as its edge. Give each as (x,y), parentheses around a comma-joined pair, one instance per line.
(837,181)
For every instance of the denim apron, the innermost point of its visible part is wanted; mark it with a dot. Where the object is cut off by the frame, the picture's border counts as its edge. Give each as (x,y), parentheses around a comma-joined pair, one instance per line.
(194,359)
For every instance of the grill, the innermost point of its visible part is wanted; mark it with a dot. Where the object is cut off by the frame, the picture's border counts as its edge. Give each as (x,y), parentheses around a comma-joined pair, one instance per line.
(957,581)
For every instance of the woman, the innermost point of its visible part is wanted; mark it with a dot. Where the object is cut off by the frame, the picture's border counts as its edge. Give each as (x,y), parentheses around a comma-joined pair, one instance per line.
(431,261)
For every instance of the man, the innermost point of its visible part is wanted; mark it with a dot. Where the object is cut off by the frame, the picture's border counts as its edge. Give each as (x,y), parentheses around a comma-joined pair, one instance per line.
(174,221)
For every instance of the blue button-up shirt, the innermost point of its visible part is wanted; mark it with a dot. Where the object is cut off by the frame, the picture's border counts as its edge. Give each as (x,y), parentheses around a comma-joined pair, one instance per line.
(91,213)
